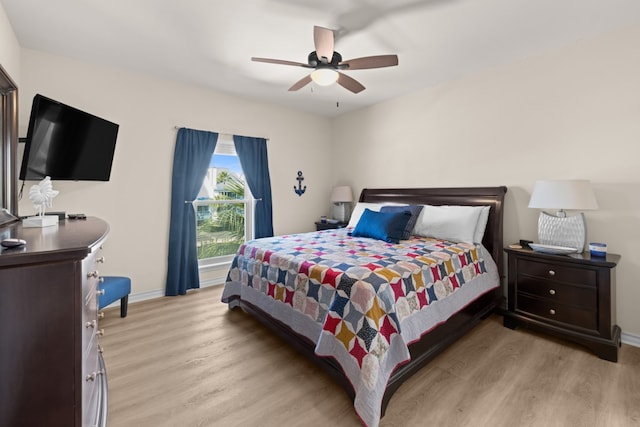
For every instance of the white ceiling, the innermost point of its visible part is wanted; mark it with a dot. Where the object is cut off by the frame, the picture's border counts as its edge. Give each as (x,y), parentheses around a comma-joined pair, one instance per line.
(210,42)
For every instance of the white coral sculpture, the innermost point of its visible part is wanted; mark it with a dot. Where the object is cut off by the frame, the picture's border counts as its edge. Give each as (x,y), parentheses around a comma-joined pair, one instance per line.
(42,194)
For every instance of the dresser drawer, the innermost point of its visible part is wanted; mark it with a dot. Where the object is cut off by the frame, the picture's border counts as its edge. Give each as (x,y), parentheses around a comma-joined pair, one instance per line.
(576,296)
(90,300)
(548,309)
(89,329)
(91,373)
(557,272)
(90,277)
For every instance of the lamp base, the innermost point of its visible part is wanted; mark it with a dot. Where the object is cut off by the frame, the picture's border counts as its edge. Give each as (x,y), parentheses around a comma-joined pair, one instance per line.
(569,231)
(340,210)
(40,221)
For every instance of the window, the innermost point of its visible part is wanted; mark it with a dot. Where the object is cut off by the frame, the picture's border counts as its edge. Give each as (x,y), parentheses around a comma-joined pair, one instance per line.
(224,207)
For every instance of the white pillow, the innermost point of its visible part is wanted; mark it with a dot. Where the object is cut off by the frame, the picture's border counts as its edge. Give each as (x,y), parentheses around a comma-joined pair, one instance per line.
(359,208)
(455,223)
(482,224)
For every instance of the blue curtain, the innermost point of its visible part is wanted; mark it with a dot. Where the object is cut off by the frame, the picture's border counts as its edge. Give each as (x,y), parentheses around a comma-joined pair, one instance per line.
(252,153)
(191,160)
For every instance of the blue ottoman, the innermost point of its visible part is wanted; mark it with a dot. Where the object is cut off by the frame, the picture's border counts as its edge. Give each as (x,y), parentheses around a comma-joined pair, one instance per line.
(115,288)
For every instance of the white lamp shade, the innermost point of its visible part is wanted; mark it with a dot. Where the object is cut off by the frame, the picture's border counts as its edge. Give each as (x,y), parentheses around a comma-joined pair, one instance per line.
(342,194)
(324,76)
(563,194)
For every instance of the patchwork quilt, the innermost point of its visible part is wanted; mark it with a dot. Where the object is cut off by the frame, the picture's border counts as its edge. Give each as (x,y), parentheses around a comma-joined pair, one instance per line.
(360,300)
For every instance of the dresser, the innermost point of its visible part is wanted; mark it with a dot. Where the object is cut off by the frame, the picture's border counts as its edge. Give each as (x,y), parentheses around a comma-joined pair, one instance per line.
(569,296)
(51,367)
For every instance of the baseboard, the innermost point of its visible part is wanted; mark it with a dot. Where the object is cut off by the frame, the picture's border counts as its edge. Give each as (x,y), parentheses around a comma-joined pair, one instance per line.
(208,283)
(630,339)
(145,296)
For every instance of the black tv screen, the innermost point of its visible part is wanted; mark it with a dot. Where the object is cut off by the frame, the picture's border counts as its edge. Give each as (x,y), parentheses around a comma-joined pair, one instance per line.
(67,144)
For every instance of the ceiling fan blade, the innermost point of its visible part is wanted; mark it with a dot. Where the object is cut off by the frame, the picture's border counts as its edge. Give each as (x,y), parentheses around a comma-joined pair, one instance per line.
(301,83)
(323,40)
(350,83)
(379,61)
(280,61)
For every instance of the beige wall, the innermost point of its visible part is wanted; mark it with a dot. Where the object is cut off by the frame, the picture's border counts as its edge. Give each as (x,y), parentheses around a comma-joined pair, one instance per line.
(9,48)
(136,200)
(572,113)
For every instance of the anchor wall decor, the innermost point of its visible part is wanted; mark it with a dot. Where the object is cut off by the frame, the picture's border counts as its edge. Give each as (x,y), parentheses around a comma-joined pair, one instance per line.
(300,189)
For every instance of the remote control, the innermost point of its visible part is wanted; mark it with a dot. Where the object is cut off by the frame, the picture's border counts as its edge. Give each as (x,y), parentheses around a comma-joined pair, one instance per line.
(12,243)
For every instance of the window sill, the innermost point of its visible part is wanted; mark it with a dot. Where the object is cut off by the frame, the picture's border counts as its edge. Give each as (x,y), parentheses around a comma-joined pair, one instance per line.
(215,265)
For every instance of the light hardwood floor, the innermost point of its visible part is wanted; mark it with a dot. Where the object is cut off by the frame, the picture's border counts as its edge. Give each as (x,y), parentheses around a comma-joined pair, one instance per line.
(188,361)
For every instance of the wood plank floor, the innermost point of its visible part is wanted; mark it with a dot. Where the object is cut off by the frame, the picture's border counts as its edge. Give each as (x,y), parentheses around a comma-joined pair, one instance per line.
(188,361)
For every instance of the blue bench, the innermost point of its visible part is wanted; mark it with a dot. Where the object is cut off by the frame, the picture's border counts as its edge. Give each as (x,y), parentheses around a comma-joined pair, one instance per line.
(115,288)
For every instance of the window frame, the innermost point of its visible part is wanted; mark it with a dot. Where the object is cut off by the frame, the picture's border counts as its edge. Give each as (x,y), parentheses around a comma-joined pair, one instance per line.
(226,147)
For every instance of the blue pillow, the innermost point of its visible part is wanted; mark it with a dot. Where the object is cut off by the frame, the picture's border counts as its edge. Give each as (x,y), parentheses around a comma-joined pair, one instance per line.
(387,226)
(414,210)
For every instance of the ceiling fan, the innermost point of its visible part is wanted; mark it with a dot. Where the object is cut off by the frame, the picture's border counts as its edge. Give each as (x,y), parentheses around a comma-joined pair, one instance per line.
(327,63)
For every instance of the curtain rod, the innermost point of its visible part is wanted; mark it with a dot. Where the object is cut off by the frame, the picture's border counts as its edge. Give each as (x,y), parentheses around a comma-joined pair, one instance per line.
(226,135)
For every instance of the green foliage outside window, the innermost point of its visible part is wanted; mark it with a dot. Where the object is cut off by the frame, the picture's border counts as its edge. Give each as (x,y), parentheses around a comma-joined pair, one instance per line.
(220,227)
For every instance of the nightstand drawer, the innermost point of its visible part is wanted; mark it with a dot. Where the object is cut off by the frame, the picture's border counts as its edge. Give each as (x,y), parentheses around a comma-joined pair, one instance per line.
(583,297)
(558,312)
(560,273)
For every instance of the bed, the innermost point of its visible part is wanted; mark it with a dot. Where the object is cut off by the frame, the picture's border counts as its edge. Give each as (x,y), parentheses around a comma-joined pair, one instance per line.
(371,332)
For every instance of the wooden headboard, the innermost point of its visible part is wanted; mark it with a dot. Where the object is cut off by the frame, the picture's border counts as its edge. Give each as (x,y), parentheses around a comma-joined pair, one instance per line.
(466,196)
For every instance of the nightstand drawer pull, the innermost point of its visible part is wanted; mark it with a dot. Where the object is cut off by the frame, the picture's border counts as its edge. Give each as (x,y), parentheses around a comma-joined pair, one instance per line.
(552,273)
(552,291)
(552,312)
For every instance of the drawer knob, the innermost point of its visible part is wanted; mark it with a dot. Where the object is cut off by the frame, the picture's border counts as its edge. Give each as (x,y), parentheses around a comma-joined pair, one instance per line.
(91,324)
(100,292)
(552,311)
(101,315)
(92,274)
(100,259)
(101,279)
(552,291)
(100,332)
(552,273)
(93,375)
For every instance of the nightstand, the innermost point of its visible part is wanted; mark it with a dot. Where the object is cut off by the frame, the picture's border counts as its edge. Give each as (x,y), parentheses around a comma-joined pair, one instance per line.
(569,296)
(329,226)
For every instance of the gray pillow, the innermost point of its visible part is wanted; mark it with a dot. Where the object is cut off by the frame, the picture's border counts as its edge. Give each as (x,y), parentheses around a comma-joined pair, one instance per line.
(414,210)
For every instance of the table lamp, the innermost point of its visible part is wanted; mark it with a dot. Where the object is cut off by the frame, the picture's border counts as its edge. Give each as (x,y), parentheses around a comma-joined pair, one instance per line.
(560,229)
(341,197)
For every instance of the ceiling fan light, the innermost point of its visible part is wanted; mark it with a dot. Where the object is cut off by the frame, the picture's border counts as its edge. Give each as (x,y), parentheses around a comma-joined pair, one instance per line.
(324,76)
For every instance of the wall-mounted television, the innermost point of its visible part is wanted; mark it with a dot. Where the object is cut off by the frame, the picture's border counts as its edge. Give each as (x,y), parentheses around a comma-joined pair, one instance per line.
(67,144)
